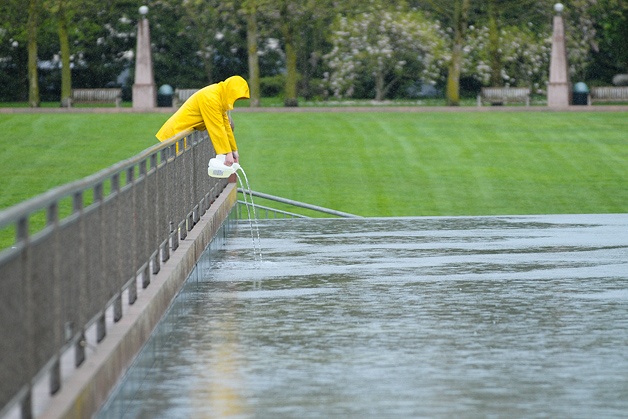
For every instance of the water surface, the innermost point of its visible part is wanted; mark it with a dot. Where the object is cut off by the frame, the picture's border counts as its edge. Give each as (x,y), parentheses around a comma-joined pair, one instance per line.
(413,317)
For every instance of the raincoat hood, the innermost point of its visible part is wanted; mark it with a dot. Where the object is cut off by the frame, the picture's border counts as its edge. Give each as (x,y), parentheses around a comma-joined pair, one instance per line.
(235,88)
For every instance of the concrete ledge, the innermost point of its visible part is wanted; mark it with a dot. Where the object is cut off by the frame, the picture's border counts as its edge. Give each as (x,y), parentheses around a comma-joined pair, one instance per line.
(87,389)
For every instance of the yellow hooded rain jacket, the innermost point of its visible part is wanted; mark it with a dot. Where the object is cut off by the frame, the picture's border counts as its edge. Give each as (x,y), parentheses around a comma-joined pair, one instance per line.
(207,110)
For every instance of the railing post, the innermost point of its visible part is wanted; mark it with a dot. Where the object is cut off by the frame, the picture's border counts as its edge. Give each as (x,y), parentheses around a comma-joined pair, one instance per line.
(117,308)
(130,178)
(146,275)
(26,407)
(52,219)
(117,304)
(21,231)
(132,290)
(183,230)
(155,259)
(77,202)
(79,347)
(52,215)
(165,246)
(175,236)
(101,325)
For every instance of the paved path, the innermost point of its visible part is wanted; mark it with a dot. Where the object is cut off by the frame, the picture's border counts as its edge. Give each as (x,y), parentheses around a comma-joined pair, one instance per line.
(601,108)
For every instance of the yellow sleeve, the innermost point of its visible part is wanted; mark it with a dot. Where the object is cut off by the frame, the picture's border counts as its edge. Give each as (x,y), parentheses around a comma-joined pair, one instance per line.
(211,111)
(232,141)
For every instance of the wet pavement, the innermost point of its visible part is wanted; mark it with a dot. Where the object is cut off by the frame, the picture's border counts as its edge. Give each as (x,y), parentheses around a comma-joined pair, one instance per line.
(396,317)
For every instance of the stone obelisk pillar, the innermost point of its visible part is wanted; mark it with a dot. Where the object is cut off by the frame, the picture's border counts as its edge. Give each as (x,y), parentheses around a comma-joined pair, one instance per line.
(144,91)
(558,92)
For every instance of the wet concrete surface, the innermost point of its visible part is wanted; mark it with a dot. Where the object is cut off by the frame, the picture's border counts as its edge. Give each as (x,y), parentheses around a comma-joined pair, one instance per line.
(397,317)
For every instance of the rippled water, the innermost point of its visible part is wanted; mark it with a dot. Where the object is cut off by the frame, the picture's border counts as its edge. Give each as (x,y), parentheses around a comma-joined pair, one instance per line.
(418,317)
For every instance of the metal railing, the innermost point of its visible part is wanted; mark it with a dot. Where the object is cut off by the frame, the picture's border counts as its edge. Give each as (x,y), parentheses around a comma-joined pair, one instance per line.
(277,213)
(58,282)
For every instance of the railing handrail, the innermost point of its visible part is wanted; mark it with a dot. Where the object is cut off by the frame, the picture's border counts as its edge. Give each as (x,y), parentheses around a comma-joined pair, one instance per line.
(301,204)
(274,210)
(16,212)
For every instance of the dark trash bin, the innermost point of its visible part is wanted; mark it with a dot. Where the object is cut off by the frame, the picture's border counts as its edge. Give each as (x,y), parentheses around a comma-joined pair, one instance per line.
(164,96)
(580,94)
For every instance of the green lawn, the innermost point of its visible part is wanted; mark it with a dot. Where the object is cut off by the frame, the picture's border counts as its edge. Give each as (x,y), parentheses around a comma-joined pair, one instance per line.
(440,163)
(41,151)
(367,163)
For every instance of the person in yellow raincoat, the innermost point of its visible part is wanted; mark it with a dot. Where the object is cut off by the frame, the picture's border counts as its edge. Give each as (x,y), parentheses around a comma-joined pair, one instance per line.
(208,110)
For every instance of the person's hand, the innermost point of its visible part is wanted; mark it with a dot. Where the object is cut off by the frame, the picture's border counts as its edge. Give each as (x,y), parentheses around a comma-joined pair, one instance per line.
(229,159)
(236,157)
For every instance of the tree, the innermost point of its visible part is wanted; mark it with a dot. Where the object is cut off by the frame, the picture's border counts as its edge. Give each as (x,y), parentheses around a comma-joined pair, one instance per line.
(204,19)
(290,20)
(201,41)
(524,57)
(453,14)
(610,55)
(13,53)
(62,11)
(494,51)
(518,32)
(289,14)
(33,77)
(179,59)
(103,41)
(500,15)
(387,47)
(580,35)
(460,16)
(250,7)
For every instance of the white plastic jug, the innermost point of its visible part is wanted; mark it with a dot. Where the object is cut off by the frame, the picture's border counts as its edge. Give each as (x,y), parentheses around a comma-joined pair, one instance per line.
(217,168)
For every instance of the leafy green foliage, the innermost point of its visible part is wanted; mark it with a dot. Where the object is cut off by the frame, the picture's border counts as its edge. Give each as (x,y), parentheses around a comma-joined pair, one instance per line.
(197,42)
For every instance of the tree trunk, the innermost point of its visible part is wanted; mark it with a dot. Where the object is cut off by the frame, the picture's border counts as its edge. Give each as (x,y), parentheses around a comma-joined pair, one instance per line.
(379,87)
(453,74)
(291,74)
(33,77)
(493,45)
(64,42)
(287,29)
(251,41)
(461,11)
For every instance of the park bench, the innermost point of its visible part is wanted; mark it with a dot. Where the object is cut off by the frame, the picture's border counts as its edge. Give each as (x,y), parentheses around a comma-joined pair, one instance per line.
(105,95)
(181,95)
(503,95)
(608,94)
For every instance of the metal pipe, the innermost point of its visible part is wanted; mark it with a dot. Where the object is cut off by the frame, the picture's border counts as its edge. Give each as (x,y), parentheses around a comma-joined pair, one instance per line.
(301,204)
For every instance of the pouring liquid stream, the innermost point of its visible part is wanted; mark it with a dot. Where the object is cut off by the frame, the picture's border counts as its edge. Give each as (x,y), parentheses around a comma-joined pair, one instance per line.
(216,168)
(257,246)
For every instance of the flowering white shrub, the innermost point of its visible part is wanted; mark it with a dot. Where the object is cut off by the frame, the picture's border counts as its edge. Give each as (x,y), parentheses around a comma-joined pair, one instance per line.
(525,54)
(524,57)
(386,47)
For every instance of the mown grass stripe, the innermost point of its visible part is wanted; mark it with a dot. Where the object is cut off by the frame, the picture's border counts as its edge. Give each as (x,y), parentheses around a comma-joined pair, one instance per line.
(369,163)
